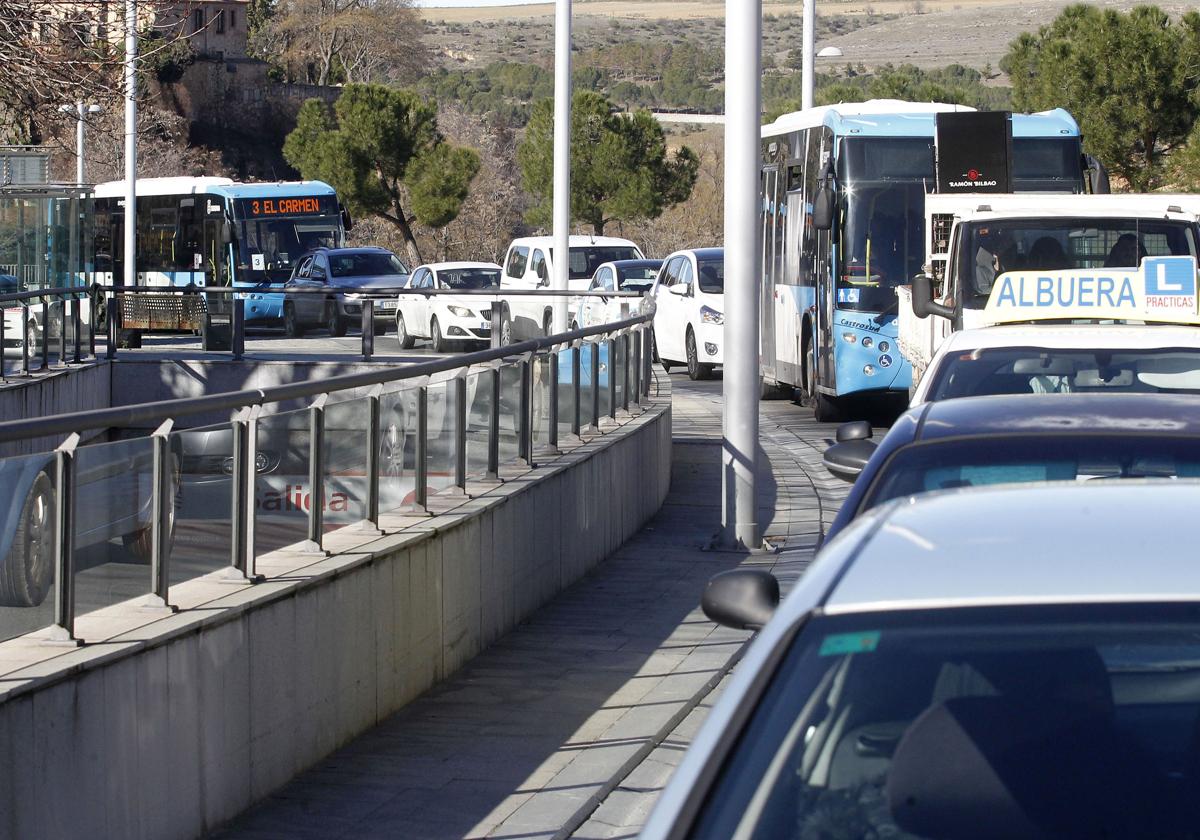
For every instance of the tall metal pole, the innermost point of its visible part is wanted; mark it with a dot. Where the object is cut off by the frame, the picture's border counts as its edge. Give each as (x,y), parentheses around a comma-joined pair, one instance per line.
(79,114)
(743,56)
(562,159)
(810,43)
(130,275)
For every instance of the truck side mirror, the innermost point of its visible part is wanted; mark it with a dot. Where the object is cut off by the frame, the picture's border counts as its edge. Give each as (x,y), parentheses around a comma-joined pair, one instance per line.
(824,204)
(1097,175)
(347,222)
(923,303)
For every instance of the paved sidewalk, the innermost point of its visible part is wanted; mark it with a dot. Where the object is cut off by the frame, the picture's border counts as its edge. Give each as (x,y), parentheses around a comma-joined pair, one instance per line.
(574,721)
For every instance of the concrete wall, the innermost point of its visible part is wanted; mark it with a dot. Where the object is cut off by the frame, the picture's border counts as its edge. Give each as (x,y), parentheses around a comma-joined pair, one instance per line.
(78,388)
(170,730)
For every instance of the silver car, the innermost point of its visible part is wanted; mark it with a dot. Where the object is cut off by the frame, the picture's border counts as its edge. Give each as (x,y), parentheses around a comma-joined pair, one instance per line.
(1008,662)
(328,287)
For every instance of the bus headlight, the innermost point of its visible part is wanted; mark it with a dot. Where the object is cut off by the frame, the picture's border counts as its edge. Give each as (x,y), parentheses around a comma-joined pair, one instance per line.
(869,370)
(849,337)
(711,316)
(867,342)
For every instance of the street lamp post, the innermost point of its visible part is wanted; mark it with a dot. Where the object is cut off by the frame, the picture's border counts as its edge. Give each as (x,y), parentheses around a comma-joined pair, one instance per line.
(80,111)
(562,162)
(129,276)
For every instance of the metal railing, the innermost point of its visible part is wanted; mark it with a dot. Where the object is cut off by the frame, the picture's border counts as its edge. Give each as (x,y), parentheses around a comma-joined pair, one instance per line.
(32,318)
(186,502)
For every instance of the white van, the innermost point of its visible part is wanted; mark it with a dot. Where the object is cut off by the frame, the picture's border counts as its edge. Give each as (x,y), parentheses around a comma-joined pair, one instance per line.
(528,266)
(689,321)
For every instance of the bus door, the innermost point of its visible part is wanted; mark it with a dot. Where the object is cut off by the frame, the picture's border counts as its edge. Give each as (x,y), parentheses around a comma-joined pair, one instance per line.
(771,216)
(820,158)
(213,256)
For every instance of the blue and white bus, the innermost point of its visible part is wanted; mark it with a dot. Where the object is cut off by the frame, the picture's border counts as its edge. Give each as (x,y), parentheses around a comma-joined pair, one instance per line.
(828,314)
(215,232)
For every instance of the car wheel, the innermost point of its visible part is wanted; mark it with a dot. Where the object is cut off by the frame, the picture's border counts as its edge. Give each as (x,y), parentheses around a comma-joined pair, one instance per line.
(695,369)
(506,333)
(334,321)
(825,409)
(435,337)
(666,366)
(405,340)
(291,324)
(140,543)
(28,571)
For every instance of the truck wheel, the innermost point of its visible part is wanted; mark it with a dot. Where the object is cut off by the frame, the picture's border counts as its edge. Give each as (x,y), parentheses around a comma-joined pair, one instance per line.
(27,573)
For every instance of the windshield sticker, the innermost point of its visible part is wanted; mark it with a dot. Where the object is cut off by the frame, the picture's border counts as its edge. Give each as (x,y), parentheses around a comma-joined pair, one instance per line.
(848,295)
(841,644)
(1163,289)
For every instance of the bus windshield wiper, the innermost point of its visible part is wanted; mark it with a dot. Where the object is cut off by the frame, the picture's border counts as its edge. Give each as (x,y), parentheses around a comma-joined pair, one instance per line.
(891,308)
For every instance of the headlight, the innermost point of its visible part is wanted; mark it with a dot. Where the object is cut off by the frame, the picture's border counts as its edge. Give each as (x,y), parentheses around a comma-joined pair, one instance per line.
(850,337)
(867,341)
(352,295)
(711,316)
(460,311)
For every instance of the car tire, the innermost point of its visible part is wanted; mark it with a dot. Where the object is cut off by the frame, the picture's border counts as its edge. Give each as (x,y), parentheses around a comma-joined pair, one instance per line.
(334,321)
(292,327)
(405,340)
(506,332)
(140,543)
(27,573)
(695,368)
(436,342)
(666,366)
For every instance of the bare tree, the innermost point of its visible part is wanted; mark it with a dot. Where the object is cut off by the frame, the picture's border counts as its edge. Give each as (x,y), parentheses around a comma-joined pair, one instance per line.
(328,41)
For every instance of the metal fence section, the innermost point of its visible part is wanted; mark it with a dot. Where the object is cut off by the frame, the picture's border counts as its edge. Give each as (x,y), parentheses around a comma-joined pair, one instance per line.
(131,517)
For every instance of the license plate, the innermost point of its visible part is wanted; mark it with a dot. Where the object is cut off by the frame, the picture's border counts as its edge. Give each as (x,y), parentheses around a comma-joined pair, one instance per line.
(387,304)
(485,325)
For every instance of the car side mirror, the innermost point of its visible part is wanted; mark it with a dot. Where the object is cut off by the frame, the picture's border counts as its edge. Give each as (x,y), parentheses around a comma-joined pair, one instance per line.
(677,289)
(824,205)
(855,430)
(847,459)
(923,303)
(744,599)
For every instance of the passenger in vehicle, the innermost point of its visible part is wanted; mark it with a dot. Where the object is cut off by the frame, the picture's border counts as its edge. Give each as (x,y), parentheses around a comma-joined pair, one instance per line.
(1127,252)
(1047,255)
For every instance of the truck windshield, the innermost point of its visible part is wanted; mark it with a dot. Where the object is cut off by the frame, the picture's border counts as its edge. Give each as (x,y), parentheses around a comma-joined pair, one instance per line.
(882,185)
(585,260)
(990,248)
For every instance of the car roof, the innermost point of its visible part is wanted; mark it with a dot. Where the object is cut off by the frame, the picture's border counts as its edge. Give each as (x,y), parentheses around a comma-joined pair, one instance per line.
(358,249)
(1022,544)
(1075,337)
(647,263)
(1010,414)
(449,266)
(701,253)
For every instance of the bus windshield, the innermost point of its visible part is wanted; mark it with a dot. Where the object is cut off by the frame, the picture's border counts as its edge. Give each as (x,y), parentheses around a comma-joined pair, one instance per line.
(882,185)
(993,247)
(272,234)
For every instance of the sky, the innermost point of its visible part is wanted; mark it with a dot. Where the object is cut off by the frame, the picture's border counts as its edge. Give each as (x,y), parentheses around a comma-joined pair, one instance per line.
(469,3)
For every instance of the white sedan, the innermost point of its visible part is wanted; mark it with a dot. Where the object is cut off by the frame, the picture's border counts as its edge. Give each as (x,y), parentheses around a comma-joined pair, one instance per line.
(447,320)
(1067,358)
(623,275)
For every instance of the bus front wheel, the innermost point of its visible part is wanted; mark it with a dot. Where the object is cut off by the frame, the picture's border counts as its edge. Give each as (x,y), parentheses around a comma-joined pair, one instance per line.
(824,408)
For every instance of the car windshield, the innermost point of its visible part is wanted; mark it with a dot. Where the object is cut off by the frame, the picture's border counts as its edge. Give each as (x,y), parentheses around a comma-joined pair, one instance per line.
(1041,371)
(585,260)
(637,279)
(1035,721)
(1023,458)
(992,248)
(712,276)
(470,278)
(365,264)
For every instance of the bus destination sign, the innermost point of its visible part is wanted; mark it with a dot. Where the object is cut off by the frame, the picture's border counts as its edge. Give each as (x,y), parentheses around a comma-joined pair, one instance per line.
(307,205)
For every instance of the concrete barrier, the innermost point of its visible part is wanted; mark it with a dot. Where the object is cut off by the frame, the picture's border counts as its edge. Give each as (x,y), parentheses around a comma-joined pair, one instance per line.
(76,388)
(168,729)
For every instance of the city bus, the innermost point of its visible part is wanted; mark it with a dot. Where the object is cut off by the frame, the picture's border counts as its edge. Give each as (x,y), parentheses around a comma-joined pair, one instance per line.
(828,313)
(201,231)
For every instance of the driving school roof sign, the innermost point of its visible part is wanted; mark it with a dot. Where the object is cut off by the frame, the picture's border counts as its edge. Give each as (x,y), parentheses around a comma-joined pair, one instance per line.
(1164,289)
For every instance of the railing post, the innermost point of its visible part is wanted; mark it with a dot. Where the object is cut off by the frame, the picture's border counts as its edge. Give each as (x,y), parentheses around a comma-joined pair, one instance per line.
(595,374)
(241,547)
(460,432)
(76,325)
(625,342)
(637,367)
(493,451)
(647,359)
(371,514)
(316,475)
(238,329)
(612,379)
(63,631)
(497,319)
(162,509)
(45,334)
(575,371)
(368,329)
(113,305)
(26,337)
(525,420)
(421,473)
(62,334)
(552,409)
(3,378)
(93,319)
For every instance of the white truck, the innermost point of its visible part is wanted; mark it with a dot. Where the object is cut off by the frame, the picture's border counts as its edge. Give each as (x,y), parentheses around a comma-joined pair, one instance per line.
(1031,258)
(528,265)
